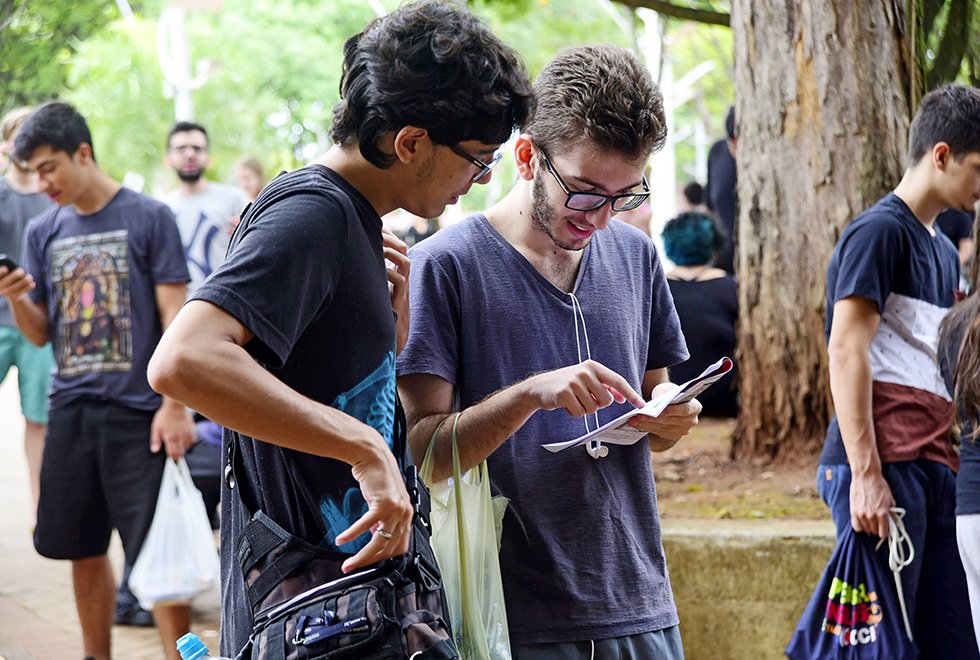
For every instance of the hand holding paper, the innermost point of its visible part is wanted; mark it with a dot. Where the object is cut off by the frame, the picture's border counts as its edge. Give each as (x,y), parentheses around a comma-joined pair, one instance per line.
(619,432)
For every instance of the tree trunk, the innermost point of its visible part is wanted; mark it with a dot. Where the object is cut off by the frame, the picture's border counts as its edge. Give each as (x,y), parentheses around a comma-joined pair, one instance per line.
(824,93)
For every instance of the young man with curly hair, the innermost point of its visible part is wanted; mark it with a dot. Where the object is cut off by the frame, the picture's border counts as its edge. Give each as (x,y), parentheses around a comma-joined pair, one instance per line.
(291,342)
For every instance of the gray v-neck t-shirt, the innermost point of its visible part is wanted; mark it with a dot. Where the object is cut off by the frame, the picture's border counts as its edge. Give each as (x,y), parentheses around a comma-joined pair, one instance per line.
(581,555)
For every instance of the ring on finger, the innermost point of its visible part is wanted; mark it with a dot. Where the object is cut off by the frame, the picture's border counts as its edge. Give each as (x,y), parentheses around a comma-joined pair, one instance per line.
(385,533)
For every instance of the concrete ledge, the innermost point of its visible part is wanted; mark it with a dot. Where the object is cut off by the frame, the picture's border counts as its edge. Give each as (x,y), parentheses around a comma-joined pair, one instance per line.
(741,585)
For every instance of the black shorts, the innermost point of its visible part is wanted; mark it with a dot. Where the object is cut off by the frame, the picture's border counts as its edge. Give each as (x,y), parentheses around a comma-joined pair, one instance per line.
(97,474)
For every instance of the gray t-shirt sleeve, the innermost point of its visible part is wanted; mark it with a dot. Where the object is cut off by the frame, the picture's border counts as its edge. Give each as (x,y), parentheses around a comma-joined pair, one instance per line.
(434,329)
(667,346)
(166,253)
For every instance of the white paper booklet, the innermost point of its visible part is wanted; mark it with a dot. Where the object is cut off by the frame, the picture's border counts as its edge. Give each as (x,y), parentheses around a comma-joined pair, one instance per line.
(619,432)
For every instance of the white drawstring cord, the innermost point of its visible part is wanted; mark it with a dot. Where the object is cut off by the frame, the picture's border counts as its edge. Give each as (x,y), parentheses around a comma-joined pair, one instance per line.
(592,656)
(593,447)
(898,539)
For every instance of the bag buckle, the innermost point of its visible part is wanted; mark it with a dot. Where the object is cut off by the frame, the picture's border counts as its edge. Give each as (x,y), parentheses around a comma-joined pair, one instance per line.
(428,574)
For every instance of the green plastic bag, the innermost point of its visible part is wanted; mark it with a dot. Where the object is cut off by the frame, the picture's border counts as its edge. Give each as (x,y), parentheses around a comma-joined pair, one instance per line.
(466,524)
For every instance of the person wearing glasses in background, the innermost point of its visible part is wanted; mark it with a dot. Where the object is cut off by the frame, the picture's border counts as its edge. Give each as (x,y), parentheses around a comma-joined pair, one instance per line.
(533,316)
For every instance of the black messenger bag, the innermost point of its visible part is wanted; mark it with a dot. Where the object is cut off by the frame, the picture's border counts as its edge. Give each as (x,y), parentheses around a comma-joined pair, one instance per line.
(304,607)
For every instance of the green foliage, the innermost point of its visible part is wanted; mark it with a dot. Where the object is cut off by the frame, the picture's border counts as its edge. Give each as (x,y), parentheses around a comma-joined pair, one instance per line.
(952,43)
(39,43)
(690,44)
(274,68)
(272,81)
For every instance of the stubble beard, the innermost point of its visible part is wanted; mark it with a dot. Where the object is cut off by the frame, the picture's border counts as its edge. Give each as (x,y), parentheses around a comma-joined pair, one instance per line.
(190,177)
(543,214)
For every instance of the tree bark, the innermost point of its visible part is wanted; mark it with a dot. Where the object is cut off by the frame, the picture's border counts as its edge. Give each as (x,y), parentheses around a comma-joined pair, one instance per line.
(824,93)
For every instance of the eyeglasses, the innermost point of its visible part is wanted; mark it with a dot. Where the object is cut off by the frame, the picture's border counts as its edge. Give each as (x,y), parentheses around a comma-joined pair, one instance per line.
(189,147)
(579,201)
(484,167)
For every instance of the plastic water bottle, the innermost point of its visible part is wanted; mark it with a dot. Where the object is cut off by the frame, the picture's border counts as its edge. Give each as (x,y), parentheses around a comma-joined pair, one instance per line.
(191,647)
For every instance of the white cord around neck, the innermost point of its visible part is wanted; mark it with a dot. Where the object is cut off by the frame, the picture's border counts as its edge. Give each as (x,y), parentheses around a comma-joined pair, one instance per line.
(593,447)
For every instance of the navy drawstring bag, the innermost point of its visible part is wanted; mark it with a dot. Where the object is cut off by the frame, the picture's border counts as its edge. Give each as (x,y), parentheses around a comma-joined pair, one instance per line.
(857,611)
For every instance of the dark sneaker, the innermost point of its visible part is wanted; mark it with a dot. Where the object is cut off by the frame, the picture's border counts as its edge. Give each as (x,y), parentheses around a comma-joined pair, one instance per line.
(133,615)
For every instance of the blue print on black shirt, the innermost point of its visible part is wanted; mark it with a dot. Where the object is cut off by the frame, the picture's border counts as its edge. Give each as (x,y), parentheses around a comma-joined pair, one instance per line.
(373,402)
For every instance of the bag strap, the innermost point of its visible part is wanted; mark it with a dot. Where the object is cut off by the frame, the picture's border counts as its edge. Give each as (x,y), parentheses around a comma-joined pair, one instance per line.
(235,466)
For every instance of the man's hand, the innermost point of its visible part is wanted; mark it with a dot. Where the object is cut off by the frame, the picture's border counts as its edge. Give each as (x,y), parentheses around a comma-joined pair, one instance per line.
(674,422)
(580,389)
(396,252)
(871,498)
(389,514)
(16,284)
(172,428)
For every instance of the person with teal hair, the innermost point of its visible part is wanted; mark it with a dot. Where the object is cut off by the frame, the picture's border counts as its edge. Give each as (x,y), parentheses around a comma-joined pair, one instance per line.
(706,300)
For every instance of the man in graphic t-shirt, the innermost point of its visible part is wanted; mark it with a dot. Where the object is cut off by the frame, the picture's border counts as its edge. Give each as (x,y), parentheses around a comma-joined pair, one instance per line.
(291,343)
(536,314)
(103,274)
(891,280)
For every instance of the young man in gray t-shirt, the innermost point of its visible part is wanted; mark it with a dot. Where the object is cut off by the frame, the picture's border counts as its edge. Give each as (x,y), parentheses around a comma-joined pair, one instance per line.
(542,310)
(19,203)
(206,212)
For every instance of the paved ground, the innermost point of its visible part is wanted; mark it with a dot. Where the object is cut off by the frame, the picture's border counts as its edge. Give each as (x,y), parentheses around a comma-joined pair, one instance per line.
(37,608)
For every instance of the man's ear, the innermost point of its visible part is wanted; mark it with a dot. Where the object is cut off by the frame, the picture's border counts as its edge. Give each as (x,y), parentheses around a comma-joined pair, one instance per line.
(941,155)
(410,143)
(525,154)
(83,155)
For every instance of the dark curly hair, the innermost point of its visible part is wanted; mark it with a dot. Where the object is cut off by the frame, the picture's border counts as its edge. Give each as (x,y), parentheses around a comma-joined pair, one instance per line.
(55,124)
(600,93)
(691,239)
(432,65)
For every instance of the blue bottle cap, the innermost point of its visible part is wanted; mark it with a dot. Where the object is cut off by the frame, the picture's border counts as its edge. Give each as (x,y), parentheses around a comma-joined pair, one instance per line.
(191,647)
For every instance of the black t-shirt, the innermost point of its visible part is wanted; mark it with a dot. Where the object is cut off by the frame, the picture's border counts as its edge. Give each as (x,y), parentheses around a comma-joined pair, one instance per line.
(720,196)
(955,224)
(708,311)
(305,273)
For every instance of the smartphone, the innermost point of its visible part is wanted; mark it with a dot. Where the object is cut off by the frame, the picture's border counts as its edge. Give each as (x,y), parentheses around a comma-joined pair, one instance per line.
(8,262)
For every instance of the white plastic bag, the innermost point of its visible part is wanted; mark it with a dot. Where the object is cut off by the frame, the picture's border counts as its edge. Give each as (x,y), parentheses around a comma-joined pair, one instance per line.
(178,559)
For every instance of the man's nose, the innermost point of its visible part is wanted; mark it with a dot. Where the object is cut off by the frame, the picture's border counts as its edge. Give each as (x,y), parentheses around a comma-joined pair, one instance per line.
(600,217)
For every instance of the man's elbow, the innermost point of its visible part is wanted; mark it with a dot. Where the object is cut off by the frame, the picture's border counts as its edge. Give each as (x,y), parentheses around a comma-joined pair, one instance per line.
(168,366)
(845,354)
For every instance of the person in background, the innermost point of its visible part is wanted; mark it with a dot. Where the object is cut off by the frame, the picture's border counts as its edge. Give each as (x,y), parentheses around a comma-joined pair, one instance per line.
(420,229)
(206,211)
(19,203)
(250,177)
(721,194)
(958,227)
(691,199)
(891,279)
(103,274)
(706,299)
(959,363)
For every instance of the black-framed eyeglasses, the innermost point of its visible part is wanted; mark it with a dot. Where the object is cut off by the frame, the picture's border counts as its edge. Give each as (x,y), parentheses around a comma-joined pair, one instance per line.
(484,167)
(580,201)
